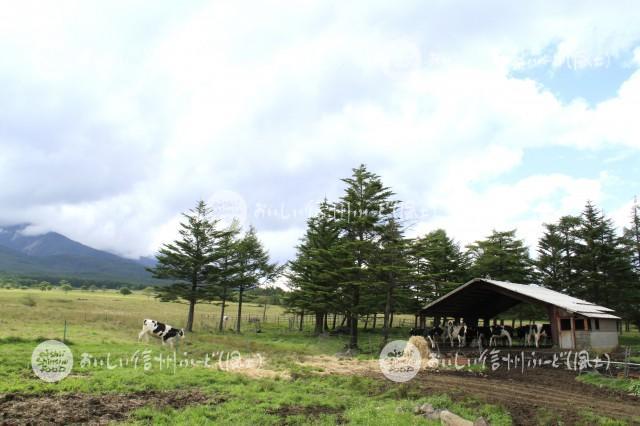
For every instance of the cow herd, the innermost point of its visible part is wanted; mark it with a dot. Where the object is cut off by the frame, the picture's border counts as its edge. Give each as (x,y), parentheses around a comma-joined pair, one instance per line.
(461,334)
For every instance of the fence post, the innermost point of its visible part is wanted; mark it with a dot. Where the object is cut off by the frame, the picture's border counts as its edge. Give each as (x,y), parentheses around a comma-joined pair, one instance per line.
(627,354)
(64,335)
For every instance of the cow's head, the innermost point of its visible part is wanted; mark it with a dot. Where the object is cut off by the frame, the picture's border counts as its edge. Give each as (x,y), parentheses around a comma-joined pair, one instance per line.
(181,333)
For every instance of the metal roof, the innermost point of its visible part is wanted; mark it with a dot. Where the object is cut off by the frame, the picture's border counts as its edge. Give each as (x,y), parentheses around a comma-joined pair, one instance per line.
(531,291)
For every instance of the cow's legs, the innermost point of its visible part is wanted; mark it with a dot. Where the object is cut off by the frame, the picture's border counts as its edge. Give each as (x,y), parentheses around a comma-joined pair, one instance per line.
(433,344)
(143,333)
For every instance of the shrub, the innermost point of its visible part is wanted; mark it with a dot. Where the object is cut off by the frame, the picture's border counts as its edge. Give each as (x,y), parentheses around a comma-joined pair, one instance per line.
(66,288)
(124,291)
(634,388)
(149,291)
(28,300)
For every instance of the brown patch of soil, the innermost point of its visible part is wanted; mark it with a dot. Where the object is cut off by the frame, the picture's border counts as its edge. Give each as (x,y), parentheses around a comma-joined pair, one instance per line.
(310,411)
(18,409)
(523,395)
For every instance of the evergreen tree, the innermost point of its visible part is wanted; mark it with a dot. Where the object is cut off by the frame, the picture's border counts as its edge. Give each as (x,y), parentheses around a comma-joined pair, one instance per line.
(393,270)
(439,265)
(551,258)
(601,262)
(311,274)
(361,214)
(223,274)
(568,228)
(583,256)
(631,237)
(501,256)
(629,305)
(187,259)
(254,267)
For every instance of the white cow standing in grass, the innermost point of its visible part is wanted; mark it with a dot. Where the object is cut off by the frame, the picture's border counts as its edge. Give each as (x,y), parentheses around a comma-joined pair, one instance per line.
(160,330)
(225,319)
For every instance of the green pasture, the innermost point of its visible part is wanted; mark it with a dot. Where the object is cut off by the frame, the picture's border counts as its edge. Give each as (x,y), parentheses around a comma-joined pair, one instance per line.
(102,327)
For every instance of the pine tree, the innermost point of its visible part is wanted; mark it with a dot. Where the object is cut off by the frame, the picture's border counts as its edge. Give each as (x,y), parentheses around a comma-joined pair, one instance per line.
(631,237)
(568,228)
(393,270)
(361,213)
(596,256)
(224,272)
(551,258)
(254,267)
(630,303)
(187,258)
(501,256)
(439,265)
(311,274)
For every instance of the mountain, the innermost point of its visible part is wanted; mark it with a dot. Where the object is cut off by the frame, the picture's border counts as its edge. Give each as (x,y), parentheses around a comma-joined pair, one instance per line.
(53,255)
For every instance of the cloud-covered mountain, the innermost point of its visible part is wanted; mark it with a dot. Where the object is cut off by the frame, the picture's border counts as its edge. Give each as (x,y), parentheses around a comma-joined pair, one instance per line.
(53,255)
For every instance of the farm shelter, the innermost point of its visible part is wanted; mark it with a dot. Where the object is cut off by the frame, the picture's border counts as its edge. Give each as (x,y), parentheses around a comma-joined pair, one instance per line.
(575,323)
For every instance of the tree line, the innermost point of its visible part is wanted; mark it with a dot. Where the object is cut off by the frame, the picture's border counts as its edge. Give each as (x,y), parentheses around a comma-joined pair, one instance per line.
(354,260)
(211,262)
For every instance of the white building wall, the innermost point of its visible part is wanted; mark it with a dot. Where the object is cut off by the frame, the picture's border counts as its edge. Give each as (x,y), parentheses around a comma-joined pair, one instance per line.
(604,340)
(608,325)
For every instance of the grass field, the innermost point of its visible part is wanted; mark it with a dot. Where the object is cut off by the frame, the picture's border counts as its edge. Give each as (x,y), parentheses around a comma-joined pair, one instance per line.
(105,324)
(102,328)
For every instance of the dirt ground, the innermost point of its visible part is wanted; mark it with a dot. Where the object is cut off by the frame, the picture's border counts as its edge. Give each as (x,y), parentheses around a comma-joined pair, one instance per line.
(94,409)
(310,412)
(521,394)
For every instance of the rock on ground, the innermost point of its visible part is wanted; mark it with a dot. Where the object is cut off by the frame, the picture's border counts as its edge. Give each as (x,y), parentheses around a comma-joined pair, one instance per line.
(450,419)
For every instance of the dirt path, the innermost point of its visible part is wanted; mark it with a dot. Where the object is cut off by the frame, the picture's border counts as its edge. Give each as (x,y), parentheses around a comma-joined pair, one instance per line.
(521,394)
(62,409)
(522,397)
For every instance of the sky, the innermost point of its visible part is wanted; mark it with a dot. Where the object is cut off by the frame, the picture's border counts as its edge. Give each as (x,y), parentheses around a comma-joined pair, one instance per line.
(117,116)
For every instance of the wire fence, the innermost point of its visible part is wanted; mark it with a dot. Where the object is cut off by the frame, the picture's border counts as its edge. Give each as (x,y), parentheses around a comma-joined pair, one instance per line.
(211,322)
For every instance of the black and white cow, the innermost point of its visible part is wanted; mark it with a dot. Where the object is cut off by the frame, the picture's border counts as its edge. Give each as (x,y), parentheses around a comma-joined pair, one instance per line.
(533,332)
(429,333)
(499,332)
(163,331)
(457,332)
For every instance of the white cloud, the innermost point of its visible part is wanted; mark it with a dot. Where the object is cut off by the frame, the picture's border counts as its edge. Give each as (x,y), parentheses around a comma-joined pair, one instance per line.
(470,214)
(116,118)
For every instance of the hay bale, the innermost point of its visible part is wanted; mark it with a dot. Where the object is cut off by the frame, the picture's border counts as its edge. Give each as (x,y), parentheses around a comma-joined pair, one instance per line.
(422,345)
